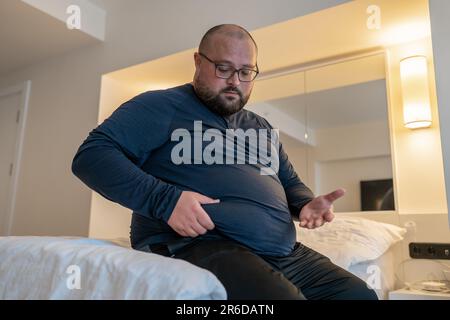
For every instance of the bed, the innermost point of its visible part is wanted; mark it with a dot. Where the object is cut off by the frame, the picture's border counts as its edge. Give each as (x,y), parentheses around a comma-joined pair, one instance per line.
(367,248)
(85,268)
(92,269)
(386,267)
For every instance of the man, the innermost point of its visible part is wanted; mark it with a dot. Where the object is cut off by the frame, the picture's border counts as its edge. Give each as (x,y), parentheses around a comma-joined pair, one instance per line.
(229,217)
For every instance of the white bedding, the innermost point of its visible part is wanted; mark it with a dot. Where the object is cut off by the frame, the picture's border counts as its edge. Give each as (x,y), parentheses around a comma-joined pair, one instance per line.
(48,268)
(384,267)
(361,246)
(364,270)
(351,240)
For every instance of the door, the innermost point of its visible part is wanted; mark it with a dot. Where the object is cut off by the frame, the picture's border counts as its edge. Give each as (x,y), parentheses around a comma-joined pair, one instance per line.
(10,104)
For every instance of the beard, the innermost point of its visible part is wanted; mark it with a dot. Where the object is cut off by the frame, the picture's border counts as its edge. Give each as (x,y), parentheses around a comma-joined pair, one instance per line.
(217,102)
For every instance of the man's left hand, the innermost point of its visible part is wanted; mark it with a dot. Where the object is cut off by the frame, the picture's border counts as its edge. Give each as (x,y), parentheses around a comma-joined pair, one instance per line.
(319,210)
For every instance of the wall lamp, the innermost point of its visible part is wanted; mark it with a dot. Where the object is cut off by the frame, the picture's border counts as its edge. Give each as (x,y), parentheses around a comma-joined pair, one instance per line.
(415,92)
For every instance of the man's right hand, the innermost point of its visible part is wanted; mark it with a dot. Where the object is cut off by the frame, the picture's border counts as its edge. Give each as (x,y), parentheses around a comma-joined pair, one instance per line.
(188,218)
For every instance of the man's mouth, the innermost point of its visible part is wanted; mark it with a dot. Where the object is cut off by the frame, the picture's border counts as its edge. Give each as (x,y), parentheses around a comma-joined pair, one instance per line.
(233,93)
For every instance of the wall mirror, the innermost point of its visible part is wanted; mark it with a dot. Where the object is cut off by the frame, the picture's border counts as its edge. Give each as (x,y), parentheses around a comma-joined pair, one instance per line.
(334,125)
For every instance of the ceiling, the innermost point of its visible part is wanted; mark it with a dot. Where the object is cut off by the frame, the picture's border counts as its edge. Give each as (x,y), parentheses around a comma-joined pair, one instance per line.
(28,36)
(320,36)
(100,3)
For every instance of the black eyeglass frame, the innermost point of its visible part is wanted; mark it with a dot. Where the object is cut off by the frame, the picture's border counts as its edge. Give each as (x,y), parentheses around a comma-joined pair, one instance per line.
(234,71)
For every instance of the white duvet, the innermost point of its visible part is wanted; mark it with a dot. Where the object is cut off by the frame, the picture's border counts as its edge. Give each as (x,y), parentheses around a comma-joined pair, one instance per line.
(83,268)
(348,241)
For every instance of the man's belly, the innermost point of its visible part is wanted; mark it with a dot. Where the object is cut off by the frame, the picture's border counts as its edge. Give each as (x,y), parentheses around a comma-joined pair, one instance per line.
(263,230)
(253,208)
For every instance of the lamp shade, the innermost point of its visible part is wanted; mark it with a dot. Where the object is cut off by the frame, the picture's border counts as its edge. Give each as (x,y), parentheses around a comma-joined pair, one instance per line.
(415,92)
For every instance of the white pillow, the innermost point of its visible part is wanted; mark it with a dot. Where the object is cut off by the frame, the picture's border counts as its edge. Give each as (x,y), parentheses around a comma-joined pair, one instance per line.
(48,268)
(351,240)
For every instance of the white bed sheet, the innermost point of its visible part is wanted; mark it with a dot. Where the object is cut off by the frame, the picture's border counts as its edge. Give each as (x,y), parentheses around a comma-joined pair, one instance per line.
(361,246)
(384,267)
(36,267)
(83,268)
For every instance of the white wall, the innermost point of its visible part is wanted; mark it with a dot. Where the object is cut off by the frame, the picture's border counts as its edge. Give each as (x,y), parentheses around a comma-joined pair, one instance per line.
(297,153)
(64,102)
(440,33)
(418,163)
(118,218)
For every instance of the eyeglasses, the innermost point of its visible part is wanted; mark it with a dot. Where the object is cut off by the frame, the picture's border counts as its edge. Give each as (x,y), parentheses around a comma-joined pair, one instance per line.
(224,71)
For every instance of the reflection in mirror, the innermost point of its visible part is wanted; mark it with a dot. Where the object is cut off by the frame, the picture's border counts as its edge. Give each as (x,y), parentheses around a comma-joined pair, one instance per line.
(335,130)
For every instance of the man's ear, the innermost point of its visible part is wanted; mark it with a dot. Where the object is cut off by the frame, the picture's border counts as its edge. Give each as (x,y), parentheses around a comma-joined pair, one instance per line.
(197,60)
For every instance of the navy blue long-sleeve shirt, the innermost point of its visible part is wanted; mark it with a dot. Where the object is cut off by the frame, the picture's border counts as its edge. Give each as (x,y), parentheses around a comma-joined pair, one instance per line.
(127,159)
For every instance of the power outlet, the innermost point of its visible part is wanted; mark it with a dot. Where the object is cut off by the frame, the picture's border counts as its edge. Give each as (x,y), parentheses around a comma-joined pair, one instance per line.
(421,250)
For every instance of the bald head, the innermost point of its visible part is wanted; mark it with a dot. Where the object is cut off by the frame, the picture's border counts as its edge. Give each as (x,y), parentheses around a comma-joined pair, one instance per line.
(224,30)
(225,48)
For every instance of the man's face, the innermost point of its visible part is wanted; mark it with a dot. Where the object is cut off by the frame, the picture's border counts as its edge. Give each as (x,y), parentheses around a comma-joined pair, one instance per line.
(224,96)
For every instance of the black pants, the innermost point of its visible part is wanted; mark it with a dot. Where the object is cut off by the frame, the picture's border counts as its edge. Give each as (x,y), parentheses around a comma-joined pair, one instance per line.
(304,274)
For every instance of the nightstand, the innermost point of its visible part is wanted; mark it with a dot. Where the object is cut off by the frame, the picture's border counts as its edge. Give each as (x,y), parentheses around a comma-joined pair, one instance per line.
(413,294)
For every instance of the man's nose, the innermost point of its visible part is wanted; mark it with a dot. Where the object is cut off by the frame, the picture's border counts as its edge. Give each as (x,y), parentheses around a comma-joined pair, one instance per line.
(234,79)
